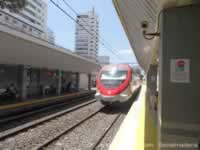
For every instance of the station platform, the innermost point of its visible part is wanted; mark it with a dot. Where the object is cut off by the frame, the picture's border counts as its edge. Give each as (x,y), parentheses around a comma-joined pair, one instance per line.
(4,102)
(40,102)
(137,132)
(10,102)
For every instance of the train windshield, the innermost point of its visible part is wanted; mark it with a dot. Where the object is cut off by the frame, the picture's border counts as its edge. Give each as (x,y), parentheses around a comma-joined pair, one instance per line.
(111,79)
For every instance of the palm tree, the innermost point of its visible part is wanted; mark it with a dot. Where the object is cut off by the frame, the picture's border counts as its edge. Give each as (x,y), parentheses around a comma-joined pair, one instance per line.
(13,5)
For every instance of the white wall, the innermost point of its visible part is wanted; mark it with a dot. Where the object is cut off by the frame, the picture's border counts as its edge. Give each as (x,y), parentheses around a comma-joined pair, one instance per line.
(83,82)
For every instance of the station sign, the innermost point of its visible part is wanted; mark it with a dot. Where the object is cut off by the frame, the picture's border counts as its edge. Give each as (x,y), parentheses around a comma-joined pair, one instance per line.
(180,70)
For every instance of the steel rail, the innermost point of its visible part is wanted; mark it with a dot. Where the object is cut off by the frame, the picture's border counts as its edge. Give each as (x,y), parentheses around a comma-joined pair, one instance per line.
(32,124)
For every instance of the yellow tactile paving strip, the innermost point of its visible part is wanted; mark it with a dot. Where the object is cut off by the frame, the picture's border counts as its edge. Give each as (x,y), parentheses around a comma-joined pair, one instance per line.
(36,101)
(151,142)
(137,131)
(131,133)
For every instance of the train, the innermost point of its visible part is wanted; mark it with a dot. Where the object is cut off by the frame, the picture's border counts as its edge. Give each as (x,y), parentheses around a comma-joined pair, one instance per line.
(116,84)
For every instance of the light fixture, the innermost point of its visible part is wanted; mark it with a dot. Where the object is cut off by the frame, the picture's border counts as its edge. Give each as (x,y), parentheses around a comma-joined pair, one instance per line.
(146,35)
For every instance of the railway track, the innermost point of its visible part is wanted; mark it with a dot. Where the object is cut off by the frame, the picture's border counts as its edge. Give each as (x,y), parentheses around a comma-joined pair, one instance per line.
(48,143)
(45,132)
(17,116)
(105,133)
(11,132)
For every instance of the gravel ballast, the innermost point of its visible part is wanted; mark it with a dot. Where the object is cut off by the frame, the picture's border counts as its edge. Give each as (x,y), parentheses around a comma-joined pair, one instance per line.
(104,145)
(86,135)
(32,137)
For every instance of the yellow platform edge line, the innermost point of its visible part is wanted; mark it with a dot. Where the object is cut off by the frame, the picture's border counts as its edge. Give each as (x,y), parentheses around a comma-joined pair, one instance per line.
(35,101)
(130,135)
(137,131)
(151,138)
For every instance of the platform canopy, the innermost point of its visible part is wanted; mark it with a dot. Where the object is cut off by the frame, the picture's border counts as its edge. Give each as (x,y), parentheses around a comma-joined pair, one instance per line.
(19,48)
(132,13)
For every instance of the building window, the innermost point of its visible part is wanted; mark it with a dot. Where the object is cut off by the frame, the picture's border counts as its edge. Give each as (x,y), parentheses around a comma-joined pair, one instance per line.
(30,29)
(31,5)
(38,3)
(6,18)
(14,21)
(82,16)
(24,26)
(30,12)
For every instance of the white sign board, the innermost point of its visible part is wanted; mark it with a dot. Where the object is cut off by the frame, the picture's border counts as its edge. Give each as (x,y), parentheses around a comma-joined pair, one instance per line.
(180,70)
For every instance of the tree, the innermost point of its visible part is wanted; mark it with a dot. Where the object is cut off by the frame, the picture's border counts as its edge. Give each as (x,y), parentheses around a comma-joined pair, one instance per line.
(13,5)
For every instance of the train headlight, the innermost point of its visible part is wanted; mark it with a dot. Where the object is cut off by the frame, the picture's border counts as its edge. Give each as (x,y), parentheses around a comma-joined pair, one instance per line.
(97,94)
(124,95)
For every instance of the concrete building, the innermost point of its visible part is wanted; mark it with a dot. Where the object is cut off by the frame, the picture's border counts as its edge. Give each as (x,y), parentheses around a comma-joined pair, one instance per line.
(50,36)
(103,60)
(87,35)
(31,20)
(34,65)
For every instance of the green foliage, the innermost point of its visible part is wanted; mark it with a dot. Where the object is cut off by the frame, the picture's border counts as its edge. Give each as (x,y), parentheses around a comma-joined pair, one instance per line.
(13,5)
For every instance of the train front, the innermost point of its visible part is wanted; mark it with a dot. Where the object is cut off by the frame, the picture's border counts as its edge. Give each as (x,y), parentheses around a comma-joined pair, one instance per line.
(113,84)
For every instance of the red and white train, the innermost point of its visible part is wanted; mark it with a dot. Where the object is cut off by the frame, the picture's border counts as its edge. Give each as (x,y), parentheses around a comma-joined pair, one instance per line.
(116,84)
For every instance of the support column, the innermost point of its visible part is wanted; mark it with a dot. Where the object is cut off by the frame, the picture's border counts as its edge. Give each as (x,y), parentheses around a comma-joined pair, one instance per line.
(152,92)
(89,81)
(179,97)
(77,80)
(59,82)
(22,82)
(39,82)
(152,79)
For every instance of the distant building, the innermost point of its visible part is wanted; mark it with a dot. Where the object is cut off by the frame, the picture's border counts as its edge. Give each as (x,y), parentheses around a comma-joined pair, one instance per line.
(50,36)
(86,44)
(32,19)
(104,60)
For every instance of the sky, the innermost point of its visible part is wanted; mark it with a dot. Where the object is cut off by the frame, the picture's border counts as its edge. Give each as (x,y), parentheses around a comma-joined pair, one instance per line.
(110,27)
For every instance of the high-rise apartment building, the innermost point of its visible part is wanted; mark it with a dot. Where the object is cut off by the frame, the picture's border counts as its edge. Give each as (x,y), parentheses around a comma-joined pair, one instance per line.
(32,19)
(87,35)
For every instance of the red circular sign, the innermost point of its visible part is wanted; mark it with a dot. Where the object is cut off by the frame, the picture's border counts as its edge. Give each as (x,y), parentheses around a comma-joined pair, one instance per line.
(180,63)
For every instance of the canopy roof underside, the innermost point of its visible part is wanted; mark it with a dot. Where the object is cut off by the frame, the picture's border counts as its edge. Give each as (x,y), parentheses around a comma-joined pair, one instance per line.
(21,49)
(132,13)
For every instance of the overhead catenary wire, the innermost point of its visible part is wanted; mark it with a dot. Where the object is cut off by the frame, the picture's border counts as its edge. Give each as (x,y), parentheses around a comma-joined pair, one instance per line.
(76,13)
(73,19)
(103,42)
